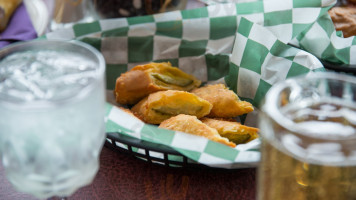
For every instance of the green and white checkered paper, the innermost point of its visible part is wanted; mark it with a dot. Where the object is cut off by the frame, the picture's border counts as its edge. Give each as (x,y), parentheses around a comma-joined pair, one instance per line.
(244,45)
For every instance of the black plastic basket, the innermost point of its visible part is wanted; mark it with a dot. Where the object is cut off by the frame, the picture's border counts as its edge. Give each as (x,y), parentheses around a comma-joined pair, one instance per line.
(150,152)
(343,68)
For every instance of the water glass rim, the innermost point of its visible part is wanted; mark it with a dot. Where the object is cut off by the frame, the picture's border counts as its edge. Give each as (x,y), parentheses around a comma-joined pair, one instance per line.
(39,44)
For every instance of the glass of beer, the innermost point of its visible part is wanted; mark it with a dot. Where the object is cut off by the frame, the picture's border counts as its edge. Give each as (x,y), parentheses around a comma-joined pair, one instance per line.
(308,131)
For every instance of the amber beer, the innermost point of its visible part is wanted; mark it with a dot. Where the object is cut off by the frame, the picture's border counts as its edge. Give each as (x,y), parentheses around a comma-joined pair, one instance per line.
(309,140)
(285,177)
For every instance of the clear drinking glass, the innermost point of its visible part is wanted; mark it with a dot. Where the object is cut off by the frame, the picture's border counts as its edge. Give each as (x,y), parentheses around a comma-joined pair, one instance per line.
(52,105)
(66,13)
(308,129)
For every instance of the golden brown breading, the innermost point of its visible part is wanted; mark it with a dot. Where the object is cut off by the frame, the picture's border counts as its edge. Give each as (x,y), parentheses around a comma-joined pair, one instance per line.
(191,124)
(162,105)
(143,80)
(226,103)
(234,131)
(344,19)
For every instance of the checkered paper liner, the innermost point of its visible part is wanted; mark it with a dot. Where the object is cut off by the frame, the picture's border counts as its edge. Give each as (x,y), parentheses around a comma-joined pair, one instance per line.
(244,46)
(213,2)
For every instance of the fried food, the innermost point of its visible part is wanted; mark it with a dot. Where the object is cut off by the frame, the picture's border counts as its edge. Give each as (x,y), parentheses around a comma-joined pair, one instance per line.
(232,130)
(226,104)
(7,8)
(191,124)
(143,80)
(162,105)
(344,19)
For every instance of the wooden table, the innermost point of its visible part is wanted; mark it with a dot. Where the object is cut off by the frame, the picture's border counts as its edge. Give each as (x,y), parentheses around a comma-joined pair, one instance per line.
(126,177)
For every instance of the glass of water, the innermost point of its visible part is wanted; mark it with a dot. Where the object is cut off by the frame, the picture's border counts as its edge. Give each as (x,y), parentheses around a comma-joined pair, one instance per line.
(66,13)
(308,128)
(52,105)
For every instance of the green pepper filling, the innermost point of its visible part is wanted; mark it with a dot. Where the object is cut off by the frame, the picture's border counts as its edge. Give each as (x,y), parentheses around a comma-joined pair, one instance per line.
(182,82)
(190,110)
(237,138)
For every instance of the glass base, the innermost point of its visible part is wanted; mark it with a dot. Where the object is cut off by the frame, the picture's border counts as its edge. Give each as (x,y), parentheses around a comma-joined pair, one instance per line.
(55,26)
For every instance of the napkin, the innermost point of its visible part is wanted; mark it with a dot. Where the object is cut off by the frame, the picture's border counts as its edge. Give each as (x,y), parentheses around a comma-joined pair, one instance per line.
(247,46)
(19,28)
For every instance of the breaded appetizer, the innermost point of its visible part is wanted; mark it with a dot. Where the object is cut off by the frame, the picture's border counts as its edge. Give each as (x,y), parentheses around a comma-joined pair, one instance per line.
(191,124)
(226,104)
(234,131)
(162,105)
(344,19)
(143,80)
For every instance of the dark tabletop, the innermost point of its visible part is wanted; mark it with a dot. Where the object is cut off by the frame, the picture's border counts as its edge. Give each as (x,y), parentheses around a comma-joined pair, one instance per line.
(125,177)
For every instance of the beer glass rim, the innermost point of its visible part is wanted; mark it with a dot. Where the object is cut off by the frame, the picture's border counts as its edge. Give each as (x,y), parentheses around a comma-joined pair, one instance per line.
(271,100)
(44,44)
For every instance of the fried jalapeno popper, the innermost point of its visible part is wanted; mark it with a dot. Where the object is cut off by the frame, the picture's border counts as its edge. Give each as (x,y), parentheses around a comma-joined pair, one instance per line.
(143,80)
(232,130)
(162,105)
(191,124)
(226,104)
